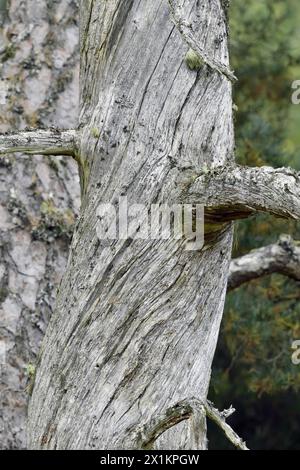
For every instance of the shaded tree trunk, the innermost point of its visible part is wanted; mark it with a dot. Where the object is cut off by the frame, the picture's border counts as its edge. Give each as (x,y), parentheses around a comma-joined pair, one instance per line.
(137,321)
(38,197)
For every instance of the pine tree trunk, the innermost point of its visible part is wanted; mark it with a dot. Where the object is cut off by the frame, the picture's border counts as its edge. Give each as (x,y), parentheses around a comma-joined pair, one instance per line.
(38,196)
(137,321)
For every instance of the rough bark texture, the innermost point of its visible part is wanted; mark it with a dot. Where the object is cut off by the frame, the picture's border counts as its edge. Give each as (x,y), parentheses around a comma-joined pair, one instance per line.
(281,258)
(136,322)
(39,142)
(236,192)
(38,195)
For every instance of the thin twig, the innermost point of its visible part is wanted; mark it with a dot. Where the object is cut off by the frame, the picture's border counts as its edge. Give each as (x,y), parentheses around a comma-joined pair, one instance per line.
(218,417)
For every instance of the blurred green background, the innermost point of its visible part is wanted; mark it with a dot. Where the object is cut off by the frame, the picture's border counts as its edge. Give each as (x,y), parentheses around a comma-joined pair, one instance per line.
(252,368)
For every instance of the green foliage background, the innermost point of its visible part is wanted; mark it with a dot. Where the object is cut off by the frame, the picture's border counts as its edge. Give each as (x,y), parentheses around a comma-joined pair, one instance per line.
(253,368)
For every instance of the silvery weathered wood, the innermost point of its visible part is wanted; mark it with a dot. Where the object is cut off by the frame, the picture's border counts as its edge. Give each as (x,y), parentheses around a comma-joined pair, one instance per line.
(282,258)
(39,142)
(137,322)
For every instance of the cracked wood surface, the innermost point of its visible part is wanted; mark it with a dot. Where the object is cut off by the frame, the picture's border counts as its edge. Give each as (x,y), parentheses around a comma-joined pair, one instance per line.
(186,31)
(39,142)
(136,322)
(148,124)
(235,192)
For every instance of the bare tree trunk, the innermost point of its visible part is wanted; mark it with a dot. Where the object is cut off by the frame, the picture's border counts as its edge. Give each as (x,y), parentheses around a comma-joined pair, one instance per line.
(137,321)
(38,196)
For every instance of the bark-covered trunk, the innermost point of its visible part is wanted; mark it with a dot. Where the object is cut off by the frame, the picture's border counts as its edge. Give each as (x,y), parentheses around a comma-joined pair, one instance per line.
(38,196)
(137,321)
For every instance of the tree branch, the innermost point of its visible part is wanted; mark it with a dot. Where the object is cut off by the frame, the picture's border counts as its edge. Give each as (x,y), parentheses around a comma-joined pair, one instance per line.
(40,142)
(149,433)
(282,257)
(184,410)
(220,419)
(236,192)
(188,36)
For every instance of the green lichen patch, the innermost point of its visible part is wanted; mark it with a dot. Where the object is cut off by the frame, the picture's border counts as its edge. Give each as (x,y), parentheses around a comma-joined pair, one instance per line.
(95,132)
(53,223)
(30,373)
(193,60)
(8,53)
(17,209)
(3,293)
(30,370)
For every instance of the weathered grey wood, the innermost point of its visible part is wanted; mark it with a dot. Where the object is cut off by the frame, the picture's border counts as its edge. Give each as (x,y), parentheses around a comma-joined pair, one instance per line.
(186,31)
(155,129)
(137,322)
(40,142)
(235,192)
(281,258)
(147,435)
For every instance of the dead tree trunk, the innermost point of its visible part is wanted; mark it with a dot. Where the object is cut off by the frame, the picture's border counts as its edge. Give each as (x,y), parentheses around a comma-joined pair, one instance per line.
(137,321)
